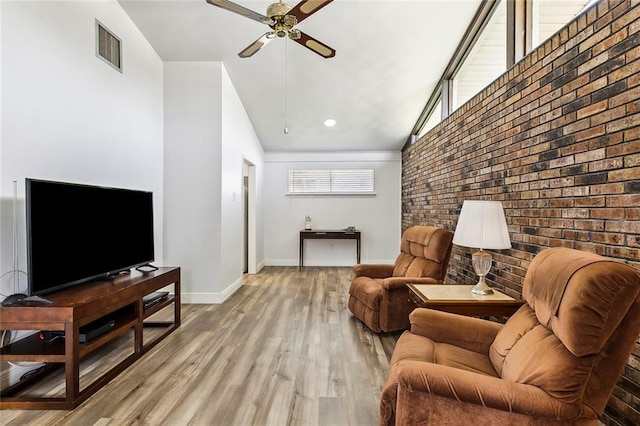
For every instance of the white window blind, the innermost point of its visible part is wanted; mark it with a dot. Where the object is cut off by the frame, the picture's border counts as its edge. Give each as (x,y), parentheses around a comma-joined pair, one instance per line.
(335,181)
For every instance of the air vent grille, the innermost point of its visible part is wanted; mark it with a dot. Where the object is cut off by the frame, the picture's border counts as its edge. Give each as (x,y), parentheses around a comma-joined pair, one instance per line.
(108,46)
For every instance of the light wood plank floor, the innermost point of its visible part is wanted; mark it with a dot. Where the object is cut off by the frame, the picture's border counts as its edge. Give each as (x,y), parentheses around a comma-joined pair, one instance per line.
(283,350)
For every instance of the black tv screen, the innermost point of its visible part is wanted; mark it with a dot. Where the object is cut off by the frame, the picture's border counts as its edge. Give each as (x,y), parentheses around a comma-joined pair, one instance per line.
(78,233)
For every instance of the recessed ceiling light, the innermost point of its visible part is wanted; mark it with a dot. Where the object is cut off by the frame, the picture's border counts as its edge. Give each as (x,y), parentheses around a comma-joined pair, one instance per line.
(329,122)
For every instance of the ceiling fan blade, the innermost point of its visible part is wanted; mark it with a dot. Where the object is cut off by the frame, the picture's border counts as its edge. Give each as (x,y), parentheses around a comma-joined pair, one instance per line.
(306,8)
(315,45)
(240,10)
(253,48)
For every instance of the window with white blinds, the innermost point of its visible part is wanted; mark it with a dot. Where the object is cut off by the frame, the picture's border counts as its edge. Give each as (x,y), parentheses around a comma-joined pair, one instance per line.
(335,181)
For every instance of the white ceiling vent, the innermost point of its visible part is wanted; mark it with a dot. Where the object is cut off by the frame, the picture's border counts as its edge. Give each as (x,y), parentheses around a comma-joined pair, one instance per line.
(108,46)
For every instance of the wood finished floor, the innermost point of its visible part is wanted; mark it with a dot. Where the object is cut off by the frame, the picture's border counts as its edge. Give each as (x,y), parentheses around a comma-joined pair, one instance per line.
(283,350)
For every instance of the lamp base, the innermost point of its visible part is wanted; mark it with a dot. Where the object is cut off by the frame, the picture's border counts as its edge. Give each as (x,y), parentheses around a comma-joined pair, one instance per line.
(481,288)
(481,261)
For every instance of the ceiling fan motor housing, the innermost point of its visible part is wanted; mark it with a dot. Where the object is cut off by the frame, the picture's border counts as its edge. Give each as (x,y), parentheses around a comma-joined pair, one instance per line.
(282,23)
(277,10)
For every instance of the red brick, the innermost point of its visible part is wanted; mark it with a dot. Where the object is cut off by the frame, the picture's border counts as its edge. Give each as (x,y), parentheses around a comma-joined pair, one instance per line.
(615,214)
(576,235)
(633,213)
(607,164)
(624,200)
(607,116)
(624,174)
(589,225)
(630,96)
(623,123)
(590,202)
(576,191)
(631,147)
(623,252)
(594,155)
(610,239)
(609,188)
(632,160)
(626,226)
(593,109)
(592,87)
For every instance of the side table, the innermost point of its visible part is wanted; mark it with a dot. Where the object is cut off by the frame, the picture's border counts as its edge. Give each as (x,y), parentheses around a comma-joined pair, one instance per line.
(458,299)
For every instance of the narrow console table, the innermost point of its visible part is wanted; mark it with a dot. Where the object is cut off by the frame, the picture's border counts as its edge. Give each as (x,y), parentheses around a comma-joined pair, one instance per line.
(120,300)
(329,234)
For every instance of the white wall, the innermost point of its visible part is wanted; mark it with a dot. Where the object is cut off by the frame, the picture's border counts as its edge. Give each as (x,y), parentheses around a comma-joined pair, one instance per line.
(239,144)
(207,137)
(66,115)
(192,155)
(378,218)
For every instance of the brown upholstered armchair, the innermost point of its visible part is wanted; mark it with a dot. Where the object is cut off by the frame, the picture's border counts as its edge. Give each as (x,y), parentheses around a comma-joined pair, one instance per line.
(554,362)
(378,295)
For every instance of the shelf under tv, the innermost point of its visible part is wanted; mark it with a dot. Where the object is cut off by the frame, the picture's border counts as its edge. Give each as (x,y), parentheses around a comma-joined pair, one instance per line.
(72,308)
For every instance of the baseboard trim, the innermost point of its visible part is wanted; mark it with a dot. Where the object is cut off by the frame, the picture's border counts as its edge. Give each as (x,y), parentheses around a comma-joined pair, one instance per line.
(211,298)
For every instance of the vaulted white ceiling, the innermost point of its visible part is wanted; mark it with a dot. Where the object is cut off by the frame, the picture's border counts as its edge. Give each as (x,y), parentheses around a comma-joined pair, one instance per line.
(390,55)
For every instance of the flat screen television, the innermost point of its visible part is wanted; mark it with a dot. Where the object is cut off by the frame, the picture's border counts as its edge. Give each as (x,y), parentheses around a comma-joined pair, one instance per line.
(79,233)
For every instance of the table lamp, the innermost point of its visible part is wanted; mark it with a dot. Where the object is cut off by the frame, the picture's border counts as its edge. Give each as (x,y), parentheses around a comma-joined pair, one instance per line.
(482,225)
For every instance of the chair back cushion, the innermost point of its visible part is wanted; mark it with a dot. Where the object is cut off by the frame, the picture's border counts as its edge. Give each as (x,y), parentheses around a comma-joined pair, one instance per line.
(424,252)
(581,309)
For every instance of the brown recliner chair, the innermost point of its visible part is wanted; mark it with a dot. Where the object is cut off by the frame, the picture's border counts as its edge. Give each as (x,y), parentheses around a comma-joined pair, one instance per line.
(554,362)
(378,295)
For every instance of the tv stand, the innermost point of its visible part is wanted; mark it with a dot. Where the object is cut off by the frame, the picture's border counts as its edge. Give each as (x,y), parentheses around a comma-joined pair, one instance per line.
(120,298)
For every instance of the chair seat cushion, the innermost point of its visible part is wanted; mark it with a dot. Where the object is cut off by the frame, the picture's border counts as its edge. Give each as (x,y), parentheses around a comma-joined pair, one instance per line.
(414,347)
(367,290)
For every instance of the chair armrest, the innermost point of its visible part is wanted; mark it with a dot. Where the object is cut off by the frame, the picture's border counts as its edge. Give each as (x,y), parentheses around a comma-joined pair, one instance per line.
(373,270)
(479,389)
(401,282)
(470,333)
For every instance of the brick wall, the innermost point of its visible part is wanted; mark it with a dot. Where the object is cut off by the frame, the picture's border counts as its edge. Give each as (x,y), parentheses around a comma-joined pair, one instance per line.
(557,140)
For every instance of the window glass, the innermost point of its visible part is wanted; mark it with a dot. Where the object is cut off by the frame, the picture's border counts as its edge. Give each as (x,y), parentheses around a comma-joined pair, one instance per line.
(486,61)
(551,15)
(434,118)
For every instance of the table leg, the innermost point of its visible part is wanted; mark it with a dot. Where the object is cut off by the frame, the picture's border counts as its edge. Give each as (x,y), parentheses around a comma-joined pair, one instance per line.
(301,255)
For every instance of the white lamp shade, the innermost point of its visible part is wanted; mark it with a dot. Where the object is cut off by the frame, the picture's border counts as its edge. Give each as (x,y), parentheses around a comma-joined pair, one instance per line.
(482,225)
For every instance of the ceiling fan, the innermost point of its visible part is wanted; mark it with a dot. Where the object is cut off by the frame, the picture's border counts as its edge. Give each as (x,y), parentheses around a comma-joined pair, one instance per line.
(281,18)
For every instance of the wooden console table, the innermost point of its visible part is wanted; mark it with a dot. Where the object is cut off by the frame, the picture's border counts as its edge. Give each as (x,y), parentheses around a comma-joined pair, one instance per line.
(458,299)
(121,299)
(329,234)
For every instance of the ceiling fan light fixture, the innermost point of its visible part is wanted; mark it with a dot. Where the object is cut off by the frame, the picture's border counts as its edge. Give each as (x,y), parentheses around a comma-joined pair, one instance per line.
(330,122)
(294,34)
(289,20)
